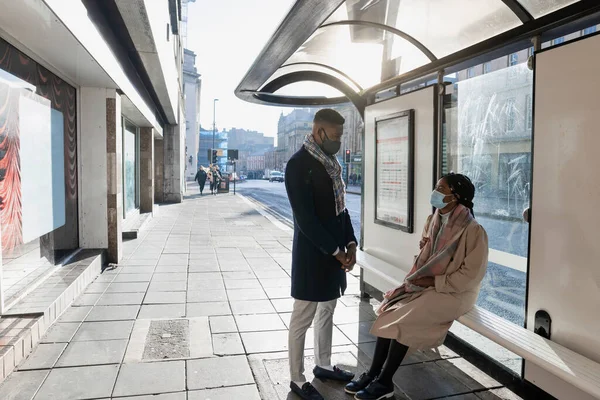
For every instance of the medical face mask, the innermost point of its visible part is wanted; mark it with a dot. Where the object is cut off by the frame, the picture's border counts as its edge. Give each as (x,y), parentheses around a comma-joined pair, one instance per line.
(329,146)
(437,200)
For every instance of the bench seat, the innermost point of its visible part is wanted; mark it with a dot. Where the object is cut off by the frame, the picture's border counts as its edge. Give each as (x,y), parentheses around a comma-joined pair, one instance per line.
(573,368)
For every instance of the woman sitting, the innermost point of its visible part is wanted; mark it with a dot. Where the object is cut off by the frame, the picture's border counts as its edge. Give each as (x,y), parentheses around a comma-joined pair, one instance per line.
(442,285)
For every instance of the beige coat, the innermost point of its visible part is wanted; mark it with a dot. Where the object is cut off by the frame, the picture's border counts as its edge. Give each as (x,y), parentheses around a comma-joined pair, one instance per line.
(422,320)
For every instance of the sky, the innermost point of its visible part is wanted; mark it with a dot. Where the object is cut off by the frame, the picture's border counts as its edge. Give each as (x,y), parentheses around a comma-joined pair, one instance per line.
(227,36)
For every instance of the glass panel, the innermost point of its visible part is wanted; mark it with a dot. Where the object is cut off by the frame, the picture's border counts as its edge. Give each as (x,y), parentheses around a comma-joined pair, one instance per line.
(287,69)
(487,136)
(129,157)
(539,8)
(434,23)
(309,89)
(358,52)
(38,171)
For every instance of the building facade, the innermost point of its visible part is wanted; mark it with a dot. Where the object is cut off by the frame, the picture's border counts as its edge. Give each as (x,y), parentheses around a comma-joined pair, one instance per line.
(191,88)
(92,129)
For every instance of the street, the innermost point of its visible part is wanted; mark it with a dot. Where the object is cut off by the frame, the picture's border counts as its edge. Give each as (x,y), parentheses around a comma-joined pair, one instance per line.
(503,288)
(274,197)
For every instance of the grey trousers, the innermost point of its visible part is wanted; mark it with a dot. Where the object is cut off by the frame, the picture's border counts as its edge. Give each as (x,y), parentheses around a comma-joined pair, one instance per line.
(302,316)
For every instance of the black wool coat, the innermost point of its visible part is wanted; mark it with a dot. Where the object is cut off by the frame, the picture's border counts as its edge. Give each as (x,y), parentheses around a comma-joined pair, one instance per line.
(316,274)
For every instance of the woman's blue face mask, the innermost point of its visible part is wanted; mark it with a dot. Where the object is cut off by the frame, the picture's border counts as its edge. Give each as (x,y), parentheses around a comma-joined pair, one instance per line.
(437,200)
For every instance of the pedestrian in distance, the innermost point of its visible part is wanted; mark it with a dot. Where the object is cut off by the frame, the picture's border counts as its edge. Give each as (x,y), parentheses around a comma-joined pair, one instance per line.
(201,178)
(211,178)
(324,249)
(441,286)
(217,178)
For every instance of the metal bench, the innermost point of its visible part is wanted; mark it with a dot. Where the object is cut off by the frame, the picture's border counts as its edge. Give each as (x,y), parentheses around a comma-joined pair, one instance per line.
(573,368)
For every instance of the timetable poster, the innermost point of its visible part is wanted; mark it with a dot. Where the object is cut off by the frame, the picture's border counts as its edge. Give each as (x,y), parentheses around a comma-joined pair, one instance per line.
(394,171)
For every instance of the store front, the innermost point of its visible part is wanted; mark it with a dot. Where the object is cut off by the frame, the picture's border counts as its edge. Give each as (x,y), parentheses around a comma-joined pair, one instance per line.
(131,157)
(38,171)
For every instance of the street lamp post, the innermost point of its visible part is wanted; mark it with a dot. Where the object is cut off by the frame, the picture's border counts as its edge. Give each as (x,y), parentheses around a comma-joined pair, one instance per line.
(214,123)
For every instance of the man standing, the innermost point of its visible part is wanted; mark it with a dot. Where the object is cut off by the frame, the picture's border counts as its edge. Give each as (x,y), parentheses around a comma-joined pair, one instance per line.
(324,248)
(201,179)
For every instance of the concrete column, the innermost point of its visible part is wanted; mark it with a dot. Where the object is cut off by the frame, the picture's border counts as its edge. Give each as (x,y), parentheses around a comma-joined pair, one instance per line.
(159,171)
(146,170)
(114,157)
(93,183)
(174,165)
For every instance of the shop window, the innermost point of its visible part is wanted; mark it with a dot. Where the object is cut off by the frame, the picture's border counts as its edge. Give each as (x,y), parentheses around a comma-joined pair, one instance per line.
(38,169)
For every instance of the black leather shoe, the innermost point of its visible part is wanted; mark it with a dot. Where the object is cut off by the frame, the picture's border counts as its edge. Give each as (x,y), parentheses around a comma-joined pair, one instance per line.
(335,375)
(306,392)
(375,391)
(359,384)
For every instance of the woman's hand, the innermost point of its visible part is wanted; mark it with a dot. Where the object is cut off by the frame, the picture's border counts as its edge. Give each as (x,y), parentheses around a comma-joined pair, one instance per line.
(425,281)
(423,242)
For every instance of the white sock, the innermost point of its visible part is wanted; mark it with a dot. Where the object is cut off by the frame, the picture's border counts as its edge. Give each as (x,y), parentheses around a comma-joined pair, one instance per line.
(327,367)
(299,384)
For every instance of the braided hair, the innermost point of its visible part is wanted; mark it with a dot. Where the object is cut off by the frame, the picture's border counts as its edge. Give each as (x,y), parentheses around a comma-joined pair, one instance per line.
(462,188)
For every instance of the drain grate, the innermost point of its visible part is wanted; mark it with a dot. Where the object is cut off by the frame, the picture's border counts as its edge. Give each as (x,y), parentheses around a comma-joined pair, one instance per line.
(167,339)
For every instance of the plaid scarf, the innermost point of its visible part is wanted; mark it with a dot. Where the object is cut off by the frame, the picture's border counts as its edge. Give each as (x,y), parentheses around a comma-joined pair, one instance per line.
(333,168)
(432,262)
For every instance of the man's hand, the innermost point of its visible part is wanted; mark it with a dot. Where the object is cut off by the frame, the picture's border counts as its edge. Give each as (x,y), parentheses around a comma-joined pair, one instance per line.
(425,281)
(341,257)
(350,258)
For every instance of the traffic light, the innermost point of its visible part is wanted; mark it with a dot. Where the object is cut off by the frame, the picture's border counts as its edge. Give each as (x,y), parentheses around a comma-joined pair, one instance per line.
(214,156)
(347,159)
(233,154)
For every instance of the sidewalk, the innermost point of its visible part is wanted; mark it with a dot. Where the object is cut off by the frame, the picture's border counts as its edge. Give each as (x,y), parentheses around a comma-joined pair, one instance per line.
(199,310)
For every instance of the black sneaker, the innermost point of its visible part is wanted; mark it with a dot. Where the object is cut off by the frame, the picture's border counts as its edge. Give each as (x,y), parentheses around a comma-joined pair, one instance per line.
(359,384)
(375,391)
(335,375)
(306,392)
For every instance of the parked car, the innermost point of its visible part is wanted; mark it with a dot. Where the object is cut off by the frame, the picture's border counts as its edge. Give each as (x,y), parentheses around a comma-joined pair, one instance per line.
(276,177)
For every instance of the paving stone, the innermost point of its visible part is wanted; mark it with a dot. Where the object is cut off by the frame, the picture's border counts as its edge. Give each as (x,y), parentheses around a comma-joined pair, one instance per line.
(167,339)
(75,314)
(61,332)
(127,287)
(223,324)
(203,296)
(350,315)
(275,282)
(246,294)
(358,332)
(207,309)
(133,278)
(87,299)
(22,385)
(246,392)
(498,394)
(283,305)
(44,356)
(169,277)
(110,330)
(204,268)
(93,353)
(205,276)
(97,287)
(168,396)
(120,299)
(137,269)
(150,378)
(264,342)
(279,293)
(217,372)
(152,311)
(79,383)
(427,381)
(252,307)
(164,297)
(227,344)
(112,313)
(242,284)
(171,269)
(242,275)
(259,322)
(205,285)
